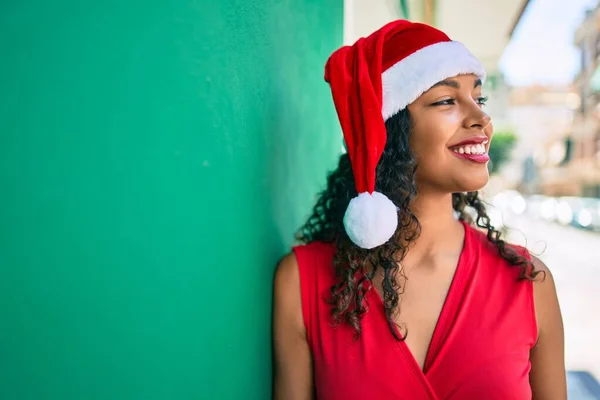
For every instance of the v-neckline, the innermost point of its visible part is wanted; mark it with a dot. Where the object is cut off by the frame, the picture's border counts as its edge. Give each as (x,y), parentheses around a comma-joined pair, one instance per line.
(440,329)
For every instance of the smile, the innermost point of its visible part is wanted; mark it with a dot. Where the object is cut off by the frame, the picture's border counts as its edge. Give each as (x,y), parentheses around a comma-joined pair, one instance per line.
(472,152)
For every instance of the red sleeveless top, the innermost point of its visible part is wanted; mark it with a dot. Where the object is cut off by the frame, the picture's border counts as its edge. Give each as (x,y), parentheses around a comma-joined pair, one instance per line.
(479,349)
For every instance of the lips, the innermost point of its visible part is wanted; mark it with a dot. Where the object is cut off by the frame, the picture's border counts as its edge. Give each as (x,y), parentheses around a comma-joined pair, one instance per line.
(471,140)
(472,149)
(478,158)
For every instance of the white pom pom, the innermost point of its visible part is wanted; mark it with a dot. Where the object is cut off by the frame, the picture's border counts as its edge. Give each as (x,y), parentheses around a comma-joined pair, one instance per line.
(370,220)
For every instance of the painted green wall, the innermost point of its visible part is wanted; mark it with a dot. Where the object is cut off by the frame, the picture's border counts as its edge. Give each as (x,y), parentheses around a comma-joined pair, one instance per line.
(155,159)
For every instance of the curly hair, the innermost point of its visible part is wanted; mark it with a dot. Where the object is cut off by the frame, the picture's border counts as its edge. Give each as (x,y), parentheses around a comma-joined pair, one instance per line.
(355,267)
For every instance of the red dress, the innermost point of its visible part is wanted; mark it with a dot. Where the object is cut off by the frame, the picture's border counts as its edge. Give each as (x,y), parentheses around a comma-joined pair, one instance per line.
(479,349)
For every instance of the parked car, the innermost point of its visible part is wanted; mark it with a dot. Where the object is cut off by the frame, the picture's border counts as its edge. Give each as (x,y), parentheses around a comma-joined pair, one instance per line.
(587,215)
(566,209)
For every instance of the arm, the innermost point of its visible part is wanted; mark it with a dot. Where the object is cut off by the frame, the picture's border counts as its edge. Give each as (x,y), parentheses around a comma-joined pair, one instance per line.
(547,376)
(292,364)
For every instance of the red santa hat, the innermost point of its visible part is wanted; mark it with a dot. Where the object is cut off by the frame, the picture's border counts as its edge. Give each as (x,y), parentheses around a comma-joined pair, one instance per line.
(370,82)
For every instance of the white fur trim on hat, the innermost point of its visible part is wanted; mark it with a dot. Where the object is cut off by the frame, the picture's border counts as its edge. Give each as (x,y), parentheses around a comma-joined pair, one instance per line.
(370,220)
(409,78)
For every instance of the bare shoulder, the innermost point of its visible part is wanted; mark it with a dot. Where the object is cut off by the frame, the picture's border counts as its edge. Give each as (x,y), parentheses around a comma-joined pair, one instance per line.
(547,376)
(286,273)
(539,264)
(544,285)
(544,294)
(292,362)
(287,301)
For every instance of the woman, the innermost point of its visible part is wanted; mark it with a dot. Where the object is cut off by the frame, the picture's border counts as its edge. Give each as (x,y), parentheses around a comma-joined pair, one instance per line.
(391,296)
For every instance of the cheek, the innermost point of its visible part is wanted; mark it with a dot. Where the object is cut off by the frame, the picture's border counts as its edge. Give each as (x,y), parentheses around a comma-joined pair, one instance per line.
(430,140)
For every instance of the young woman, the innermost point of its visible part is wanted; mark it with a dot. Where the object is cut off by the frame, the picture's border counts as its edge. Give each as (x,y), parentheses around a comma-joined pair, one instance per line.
(396,291)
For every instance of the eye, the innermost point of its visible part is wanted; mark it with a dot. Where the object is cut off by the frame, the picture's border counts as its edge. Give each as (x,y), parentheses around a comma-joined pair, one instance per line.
(446,102)
(482,100)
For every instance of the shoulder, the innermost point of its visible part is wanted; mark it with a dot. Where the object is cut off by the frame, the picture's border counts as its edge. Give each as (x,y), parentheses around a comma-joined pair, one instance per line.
(539,265)
(546,306)
(303,279)
(489,248)
(547,375)
(301,274)
(544,287)
(547,309)
(313,249)
(303,262)
(287,301)
(292,363)
(313,261)
(286,273)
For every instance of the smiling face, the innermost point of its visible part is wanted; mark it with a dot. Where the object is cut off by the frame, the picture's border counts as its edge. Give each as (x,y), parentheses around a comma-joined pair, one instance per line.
(451,136)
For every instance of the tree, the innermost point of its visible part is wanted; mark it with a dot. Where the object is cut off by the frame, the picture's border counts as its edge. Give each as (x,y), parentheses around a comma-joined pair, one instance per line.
(500,150)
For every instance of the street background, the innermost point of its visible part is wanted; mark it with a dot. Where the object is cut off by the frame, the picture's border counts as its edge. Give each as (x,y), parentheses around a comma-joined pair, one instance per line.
(570,254)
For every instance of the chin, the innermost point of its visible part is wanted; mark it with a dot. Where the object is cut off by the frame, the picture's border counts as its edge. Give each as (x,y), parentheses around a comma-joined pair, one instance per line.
(473,183)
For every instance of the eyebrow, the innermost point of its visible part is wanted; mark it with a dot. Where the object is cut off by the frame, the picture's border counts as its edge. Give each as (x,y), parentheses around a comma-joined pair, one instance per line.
(455,84)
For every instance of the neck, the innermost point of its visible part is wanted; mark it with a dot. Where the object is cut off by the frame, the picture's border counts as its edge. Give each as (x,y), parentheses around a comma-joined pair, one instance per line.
(440,231)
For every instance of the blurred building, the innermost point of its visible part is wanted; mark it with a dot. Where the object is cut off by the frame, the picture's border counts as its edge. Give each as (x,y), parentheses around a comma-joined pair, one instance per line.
(542,119)
(585,160)
(560,127)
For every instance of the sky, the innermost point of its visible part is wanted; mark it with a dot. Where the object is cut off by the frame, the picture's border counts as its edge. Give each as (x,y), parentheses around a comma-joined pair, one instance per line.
(541,50)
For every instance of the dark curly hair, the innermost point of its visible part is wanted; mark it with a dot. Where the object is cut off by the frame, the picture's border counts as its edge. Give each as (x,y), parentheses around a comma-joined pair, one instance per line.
(396,179)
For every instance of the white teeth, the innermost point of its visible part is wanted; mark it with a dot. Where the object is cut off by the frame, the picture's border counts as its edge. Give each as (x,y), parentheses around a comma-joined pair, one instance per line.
(473,149)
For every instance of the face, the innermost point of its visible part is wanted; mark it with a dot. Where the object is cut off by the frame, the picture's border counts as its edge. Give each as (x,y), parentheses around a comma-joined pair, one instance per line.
(451,136)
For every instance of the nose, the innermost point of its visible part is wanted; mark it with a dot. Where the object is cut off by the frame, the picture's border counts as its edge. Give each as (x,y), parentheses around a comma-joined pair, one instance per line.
(477,118)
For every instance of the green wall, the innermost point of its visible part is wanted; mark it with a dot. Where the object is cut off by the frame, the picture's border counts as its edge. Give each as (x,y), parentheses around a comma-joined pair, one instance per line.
(155,159)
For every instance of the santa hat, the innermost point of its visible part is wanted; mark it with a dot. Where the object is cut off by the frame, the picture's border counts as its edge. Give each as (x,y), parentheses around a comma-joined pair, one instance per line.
(370,82)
